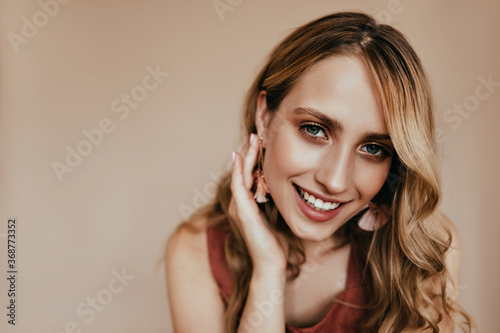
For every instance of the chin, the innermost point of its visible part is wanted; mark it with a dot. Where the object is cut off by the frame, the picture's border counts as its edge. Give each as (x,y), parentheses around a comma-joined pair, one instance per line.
(316,233)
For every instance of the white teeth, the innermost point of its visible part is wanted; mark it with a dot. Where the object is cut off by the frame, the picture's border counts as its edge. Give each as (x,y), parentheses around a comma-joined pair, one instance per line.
(311,199)
(334,205)
(317,204)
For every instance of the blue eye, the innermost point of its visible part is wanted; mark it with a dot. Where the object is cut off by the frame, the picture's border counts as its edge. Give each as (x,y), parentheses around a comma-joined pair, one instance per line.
(376,151)
(373,149)
(313,131)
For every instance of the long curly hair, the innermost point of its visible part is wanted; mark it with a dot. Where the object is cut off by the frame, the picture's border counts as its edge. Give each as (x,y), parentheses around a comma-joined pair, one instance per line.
(405,259)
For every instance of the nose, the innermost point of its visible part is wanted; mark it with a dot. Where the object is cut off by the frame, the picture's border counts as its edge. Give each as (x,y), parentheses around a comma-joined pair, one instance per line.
(334,171)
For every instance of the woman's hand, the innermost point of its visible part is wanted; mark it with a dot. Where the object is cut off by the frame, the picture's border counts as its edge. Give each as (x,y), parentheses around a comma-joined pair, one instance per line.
(268,250)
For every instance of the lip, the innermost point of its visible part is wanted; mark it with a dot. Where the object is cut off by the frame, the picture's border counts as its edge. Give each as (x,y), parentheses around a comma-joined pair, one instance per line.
(314,214)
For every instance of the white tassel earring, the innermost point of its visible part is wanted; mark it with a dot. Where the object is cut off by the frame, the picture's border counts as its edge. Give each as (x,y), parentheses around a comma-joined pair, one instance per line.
(374,218)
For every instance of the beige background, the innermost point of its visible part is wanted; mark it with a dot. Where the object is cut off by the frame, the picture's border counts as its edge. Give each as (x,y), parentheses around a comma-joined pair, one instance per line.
(117,207)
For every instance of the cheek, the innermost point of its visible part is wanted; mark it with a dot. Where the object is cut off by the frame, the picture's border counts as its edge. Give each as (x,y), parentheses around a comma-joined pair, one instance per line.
(370,178)
(287,156)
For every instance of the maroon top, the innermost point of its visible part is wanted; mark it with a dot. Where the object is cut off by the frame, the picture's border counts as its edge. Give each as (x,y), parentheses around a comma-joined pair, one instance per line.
(340,318)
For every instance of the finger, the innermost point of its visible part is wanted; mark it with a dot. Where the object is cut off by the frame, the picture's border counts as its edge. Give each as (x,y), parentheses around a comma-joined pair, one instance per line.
(242,196)
(249,162)
(245,145)
(237,183)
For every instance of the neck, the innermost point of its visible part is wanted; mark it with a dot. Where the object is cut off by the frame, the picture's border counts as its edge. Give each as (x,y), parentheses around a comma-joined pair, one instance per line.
(318,249)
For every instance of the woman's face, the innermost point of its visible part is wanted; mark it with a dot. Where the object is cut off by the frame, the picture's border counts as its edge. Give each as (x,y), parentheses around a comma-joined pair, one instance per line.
(329,139)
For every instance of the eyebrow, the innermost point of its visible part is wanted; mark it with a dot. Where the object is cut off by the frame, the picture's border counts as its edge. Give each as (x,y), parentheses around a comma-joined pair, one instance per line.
(336,125)
(377,136)
(332,123)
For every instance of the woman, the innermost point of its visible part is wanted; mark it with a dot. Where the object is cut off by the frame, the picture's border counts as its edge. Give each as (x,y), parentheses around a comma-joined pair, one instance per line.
(328,221)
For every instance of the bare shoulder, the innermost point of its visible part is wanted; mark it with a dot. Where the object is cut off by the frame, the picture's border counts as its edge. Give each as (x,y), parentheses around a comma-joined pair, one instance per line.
(191,287)
(186,252)
(188,241)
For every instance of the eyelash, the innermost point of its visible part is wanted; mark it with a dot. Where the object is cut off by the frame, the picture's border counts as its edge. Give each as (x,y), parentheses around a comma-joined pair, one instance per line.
(384,152)
(383,149)
(303,128)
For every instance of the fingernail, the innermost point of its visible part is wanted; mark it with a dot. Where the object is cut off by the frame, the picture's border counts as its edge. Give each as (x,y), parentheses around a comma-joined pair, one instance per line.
(253,137)
(233,155)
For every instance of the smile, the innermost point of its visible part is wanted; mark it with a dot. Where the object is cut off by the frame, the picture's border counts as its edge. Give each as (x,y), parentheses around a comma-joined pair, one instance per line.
(316,209)
(317,203)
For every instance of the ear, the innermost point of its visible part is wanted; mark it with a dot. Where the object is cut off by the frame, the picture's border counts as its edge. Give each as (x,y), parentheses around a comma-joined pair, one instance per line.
(262,116)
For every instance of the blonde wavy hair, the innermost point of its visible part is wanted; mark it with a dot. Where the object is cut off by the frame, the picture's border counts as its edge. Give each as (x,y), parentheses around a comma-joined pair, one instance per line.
(405,260)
